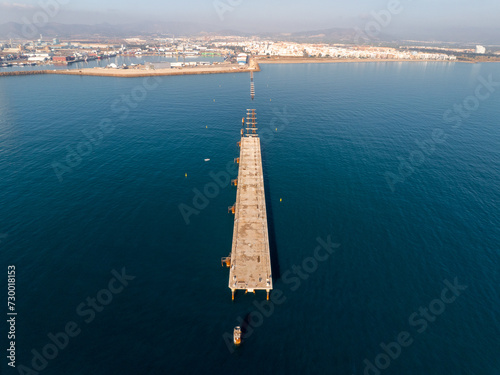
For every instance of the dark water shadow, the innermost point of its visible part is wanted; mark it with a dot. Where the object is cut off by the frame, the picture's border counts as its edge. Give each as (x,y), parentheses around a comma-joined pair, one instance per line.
(244,326)
(273,247)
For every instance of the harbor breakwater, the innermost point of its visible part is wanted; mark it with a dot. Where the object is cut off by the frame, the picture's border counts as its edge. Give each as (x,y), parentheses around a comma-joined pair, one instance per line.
(134,73)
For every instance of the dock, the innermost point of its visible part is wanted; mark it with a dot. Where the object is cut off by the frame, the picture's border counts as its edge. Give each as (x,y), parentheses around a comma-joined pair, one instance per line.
(250,259)
(252,86)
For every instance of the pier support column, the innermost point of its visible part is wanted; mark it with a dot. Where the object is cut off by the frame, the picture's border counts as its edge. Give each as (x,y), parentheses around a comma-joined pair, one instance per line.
(232,294)
(268,294)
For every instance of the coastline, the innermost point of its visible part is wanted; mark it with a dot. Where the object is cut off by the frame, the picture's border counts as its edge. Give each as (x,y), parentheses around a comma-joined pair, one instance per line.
(300,60)
(253,66)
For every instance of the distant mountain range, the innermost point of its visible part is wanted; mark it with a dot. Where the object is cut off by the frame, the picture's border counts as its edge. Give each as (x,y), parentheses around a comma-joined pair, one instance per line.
(457,35)
(105,30)
(330,35)
(52,29)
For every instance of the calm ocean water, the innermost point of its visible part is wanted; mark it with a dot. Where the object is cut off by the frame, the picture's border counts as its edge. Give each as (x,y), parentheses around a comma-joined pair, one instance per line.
(359,153)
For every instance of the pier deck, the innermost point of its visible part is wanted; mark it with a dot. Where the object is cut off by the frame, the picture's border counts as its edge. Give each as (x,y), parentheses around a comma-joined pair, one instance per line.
(250,257)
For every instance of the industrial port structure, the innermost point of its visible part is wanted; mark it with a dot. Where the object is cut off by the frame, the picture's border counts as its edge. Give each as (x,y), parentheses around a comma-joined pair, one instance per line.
(250,259)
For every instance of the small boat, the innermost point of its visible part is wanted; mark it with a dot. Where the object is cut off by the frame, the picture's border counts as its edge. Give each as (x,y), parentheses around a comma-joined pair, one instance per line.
(207,159)
(237,335)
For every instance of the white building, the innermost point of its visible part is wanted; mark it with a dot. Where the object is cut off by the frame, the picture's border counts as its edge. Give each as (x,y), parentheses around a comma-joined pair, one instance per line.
(242,58)
(158,65)
(37,58)
(480,49)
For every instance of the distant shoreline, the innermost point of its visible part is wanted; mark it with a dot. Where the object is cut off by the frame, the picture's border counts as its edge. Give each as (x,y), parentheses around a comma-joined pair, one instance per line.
(309,60)
(219,69)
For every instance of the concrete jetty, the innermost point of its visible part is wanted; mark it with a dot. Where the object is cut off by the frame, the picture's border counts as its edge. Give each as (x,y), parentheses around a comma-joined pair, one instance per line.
(250,260)
(135,73)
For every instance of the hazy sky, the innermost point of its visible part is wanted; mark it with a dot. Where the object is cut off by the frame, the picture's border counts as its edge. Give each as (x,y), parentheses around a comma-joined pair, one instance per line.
(267,15)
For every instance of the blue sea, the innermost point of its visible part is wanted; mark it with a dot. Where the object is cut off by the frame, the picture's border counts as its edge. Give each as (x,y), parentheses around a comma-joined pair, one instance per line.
(382,190)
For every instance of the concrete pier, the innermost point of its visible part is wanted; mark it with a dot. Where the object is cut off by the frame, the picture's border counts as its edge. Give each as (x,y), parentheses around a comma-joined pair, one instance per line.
(250,260)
